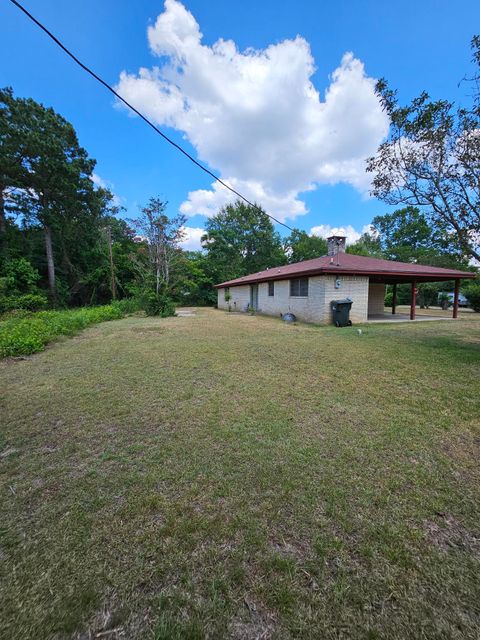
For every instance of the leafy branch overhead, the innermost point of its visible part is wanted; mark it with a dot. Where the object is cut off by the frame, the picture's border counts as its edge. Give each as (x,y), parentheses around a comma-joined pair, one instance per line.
(431,159)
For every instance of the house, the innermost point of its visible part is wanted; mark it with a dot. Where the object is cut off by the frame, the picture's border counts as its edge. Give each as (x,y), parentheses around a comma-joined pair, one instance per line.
(307,288)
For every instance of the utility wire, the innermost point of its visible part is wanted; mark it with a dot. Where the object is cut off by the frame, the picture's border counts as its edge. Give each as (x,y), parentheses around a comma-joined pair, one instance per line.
(144,118)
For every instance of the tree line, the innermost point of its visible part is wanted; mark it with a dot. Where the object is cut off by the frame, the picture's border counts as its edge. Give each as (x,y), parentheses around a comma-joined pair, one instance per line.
(64,241)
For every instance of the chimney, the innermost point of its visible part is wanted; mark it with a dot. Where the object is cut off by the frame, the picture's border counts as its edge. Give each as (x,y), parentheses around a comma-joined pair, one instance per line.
(336,245)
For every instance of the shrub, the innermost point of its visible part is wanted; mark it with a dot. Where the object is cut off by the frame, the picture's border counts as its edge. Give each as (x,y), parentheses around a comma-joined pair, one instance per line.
(28,301)
(389,299)
(26,335)
(19,277)
(444,301)
(157,304)
(18,287)
(127,305)
(427,295)
(472,294)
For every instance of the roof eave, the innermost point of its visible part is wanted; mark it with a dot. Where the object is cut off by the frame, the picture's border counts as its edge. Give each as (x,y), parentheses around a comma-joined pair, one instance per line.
(434,276)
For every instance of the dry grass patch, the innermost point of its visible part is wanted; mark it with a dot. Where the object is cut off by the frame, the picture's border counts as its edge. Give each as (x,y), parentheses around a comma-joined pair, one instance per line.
(228,476)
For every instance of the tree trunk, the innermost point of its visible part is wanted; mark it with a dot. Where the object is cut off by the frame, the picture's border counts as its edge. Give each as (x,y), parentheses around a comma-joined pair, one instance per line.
(112,266)
(50,265)
(166,266)
(3,225)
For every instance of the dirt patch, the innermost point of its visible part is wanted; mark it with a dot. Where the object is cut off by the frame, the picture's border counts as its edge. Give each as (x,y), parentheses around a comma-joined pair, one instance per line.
(252,623)
(296,550)
(185,313)
(108,622)
(448,534)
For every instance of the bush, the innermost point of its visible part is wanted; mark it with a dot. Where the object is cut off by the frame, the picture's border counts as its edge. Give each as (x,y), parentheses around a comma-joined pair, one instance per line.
(472,294)
(444,301)
(28,301)
(19,276)
(18,287)
(127,305)
(157,304)
(389,299)
(26,335)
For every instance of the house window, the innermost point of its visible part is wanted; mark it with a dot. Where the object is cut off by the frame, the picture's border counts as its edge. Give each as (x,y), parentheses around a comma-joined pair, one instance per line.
(227,293)
(271,288)
(299,287)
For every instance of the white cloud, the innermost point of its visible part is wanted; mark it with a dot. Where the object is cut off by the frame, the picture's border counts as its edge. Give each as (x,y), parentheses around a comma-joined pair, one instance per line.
(191,241)
(352,235)
(103,184)
(255,115)
(98,181)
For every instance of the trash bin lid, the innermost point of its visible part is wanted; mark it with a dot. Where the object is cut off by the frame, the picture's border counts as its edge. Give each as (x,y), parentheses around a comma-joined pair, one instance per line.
(344,301)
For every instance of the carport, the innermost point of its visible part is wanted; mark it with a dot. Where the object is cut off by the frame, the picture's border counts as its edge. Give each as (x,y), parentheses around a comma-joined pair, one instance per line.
(418,274)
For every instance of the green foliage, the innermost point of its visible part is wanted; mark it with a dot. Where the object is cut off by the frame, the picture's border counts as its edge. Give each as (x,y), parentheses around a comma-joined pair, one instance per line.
(428,294)
(430,159)
(27,301)
(19,276)
(26,335)
(367,245)
(191,279)
(157,304)
(389,299)
(127,306)
(18,287)
(444,301)
(300,246)
(472,293)
(241,239)
(407,235)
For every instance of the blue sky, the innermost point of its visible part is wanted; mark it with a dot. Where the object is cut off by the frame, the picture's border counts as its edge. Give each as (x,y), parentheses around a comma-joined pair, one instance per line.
(289,122)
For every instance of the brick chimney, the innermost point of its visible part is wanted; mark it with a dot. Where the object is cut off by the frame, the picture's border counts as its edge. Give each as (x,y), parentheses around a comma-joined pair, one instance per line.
(336,244)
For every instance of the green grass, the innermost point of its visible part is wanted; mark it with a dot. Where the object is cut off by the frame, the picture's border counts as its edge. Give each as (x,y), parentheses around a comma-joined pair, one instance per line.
(229,476)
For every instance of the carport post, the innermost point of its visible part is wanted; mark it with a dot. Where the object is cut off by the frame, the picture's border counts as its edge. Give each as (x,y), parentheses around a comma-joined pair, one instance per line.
(413,300)
(455,298)
(394,298)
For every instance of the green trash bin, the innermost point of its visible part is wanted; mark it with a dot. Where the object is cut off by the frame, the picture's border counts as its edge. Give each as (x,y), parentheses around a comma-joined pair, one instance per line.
(341,312)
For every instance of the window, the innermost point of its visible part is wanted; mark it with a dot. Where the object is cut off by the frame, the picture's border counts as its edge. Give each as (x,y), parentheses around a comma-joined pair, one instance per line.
(299,287)
(271,288)
(227,294)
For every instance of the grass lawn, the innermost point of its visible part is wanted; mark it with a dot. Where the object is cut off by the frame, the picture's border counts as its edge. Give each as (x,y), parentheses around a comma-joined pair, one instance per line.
(229,476)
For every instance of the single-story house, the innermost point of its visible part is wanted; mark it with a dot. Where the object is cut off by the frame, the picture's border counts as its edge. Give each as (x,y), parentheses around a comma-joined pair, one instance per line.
(307,288)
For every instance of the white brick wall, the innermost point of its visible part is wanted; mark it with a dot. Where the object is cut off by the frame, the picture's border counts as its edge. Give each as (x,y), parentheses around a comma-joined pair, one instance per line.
(315,308)
(240,298)
(376,299)
(354,287)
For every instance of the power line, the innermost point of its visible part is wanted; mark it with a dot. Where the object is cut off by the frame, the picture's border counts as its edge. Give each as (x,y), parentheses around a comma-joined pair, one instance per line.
(144,118)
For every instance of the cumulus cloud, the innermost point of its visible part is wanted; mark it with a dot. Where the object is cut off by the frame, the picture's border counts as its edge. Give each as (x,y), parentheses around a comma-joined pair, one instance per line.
(255,115)
(352,235)
(191,239)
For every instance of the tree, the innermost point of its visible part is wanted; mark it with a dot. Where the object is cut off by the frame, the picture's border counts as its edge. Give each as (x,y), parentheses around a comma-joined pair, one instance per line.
(407,235)
(472,293)
(367,245)
(431,160)
(12,151)
(241,239)
(47,167)
(300,246)
(162,235)
(192,282)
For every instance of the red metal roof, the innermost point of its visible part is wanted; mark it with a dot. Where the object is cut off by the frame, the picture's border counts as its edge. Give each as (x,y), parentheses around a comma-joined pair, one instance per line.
(379,270)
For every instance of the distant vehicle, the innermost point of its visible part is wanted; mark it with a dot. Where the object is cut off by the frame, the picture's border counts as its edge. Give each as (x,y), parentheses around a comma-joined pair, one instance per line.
(462,301)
